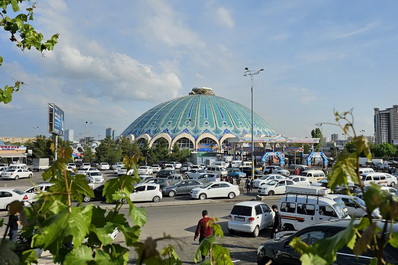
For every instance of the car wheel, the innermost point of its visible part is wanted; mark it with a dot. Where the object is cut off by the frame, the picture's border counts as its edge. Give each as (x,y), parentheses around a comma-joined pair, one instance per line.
(172,193)
(17,177)
(256,231)
(231,231)
(271,192)
(86,199)
(30,176)
(156,199)
(392,184)
(264,261)
(231,195)
(288,227)
(202,196)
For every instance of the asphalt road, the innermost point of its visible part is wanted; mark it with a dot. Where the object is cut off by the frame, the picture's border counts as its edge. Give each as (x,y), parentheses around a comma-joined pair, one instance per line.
(177,217)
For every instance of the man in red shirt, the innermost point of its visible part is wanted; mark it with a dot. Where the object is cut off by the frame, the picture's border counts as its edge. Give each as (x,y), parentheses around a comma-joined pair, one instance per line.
(204,228)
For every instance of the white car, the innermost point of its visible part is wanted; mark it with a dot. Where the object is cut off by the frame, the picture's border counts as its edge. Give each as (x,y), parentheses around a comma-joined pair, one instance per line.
(85,166)
(146,192)
(9,195)
(300,180)
(209,177)
(156,168)
(261,181)
(275,187)
(169,167)
(123,171)
(95,177)
(41,187)
(177,165)
(87,170)
(195,173)
(16,174)
(391,180)
(215,190)
(117,165)
(276,170)
(250,217)
(356,207)
(145,170)
(103,166)
(72,165)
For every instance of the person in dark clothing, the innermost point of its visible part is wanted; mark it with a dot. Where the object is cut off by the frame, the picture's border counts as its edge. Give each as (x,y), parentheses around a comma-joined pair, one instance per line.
(204,228)
(277,221)
(13,222)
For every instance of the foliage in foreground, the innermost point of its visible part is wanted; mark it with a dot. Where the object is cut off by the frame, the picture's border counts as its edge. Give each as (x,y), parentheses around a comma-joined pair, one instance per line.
(364,235)
(23,34)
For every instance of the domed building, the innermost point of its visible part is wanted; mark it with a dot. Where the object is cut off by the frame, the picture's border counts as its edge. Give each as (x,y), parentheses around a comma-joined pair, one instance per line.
(200,121)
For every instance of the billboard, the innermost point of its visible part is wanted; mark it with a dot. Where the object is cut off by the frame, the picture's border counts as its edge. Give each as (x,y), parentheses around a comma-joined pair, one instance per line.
(55,119)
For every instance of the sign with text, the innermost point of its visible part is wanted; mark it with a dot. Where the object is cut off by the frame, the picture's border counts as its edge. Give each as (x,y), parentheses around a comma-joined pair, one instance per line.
(55,119)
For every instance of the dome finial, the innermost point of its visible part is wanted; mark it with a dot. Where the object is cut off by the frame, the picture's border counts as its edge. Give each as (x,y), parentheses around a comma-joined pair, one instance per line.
(202,91)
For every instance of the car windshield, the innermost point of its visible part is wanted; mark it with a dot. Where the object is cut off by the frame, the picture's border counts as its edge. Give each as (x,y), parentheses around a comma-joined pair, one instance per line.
(359,201)
(271,182)
(208,185)
(340,211)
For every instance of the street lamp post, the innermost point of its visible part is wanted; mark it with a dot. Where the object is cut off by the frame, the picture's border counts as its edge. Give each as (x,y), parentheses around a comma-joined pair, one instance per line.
(85,133)
(252,73)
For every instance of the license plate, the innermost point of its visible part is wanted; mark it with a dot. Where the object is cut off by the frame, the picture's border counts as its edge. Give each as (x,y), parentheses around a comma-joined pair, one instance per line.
(238,218)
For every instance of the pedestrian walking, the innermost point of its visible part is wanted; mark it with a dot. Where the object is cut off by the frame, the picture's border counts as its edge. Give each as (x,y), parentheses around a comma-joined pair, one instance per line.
(13,222)
(248,185)
(204,228)
(251,184)
(277,226)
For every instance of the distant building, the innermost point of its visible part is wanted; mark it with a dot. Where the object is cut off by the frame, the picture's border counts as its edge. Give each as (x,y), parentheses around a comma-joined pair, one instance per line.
(69,135)
(386,125)
(334,137)
(109,132)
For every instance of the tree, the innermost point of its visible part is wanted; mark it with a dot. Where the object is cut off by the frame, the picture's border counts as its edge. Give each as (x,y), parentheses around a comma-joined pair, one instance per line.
(27,38)
(108,151)
(384,150)
(180,155)
(159,151)
(129,148)
(317,133)
(88,154)
(41,147)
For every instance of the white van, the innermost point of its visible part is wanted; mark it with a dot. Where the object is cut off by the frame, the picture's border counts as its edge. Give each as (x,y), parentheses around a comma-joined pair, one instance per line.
(364,170)
(313,176)
(236,163)
(218,170)
(305,206)
(221,164)
(18,166)
(374,177)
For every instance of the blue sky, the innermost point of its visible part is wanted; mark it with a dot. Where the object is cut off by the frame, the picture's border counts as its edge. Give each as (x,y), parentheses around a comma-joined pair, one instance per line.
(117,59)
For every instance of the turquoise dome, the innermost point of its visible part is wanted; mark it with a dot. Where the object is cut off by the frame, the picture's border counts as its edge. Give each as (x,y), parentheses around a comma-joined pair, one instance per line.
(198,113)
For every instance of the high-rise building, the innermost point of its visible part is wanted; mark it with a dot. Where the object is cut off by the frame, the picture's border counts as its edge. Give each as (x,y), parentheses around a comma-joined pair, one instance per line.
(386,125)
(334,137)
(69,135)
(109,132)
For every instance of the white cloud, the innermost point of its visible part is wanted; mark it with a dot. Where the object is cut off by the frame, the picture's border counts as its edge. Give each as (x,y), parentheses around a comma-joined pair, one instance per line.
(342,33)
(304,95)
(224,17)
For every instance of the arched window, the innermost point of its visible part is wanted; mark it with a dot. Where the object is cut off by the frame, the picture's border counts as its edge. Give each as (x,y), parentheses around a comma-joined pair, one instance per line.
(185,143)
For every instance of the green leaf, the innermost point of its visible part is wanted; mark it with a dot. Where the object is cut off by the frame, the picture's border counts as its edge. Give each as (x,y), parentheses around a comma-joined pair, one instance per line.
(204,247)
(310,259)
(394,240)
(15,6)
(362,243)
(29,257)
(79,256)
(343,170)
(138,215)
(221,255)
(55,230)
(375,198)
(131,234)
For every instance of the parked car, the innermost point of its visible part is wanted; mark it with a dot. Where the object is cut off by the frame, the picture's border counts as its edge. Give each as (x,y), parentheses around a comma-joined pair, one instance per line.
(194,173)
(103,166)
(261,181)
(169,167)
(97,195)
(248,172)
(95,177)
(163,182)
(235,172)
(391,180)
(117,165)
(16,174)
(299,180)
(41,187)
(274,186)
(156,168)
(72,166)
(145,170)
(165,173)
(276,170)
(185,166)
(9,195)
(197,167)
(85,166)
(123,171)
(87,170)
(182,187)
(173,178)
(146,192)
(209,177)
(356,207)
(250,217)
(177,165)
(216,189)
(277,251)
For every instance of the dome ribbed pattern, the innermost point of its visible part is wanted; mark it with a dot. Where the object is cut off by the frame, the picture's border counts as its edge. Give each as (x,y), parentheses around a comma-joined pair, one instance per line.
(196,114)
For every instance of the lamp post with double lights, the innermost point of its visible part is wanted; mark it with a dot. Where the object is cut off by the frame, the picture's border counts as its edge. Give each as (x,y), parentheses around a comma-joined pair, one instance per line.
(85,133)
(252,73)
